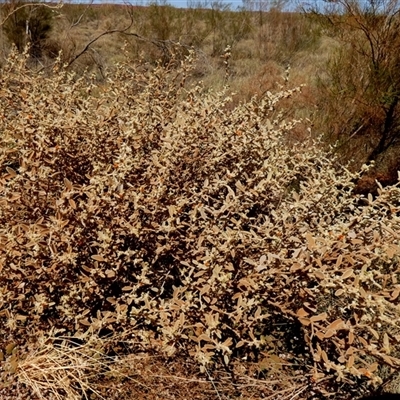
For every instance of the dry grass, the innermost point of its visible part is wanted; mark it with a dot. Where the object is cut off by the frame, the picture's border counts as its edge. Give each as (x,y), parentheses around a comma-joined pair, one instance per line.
(61,369)
(77,368)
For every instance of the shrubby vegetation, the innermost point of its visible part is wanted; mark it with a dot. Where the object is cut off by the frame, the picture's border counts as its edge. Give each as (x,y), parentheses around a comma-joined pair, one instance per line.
(148,216)
(363,76)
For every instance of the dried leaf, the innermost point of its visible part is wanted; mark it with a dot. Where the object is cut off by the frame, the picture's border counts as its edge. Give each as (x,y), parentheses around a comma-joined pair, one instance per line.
(362,292)
(205,338)
(339,261)
(305,321)
(336,325)
(374,332)
(310,241)
(68,184)
(11,172)
(98,257)
(302,312)
(347,273)
(110,273)
(319,275)
(72,204)
(329,333)
(351,337)
(395,294)
(339,292)
(363,341)
(388,360)
(320,335)
(9,348)
(320,317)
(373,367)
(386,343)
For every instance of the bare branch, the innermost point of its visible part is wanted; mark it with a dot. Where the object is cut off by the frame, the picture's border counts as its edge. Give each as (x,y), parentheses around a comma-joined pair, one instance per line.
(107,32)
(77,22)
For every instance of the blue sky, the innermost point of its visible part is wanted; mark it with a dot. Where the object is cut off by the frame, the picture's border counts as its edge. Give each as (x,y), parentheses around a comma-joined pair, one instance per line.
(175,3)
(181,3)
(234,4)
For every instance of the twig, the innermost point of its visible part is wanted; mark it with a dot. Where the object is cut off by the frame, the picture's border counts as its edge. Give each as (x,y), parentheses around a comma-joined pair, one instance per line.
(73,24)
(86,48)
(212,383)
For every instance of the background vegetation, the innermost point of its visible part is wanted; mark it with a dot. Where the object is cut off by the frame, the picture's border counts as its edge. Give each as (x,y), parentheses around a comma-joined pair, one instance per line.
(185,208)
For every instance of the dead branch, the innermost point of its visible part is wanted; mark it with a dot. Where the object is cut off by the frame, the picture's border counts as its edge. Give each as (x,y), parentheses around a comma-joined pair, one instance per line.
(94,40)
(77,22)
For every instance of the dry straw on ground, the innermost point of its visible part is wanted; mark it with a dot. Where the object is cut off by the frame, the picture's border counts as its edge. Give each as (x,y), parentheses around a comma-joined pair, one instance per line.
(149,216)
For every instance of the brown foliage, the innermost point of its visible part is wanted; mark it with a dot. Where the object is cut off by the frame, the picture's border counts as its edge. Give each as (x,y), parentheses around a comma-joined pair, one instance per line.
(147,209)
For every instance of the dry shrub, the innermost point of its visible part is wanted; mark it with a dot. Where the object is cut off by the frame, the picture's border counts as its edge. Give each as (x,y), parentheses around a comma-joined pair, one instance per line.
(282,35)
(147,206)
(359,94)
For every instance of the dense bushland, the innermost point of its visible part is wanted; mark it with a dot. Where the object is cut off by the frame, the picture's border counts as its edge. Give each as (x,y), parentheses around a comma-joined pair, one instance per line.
(149,211)
(346,55)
